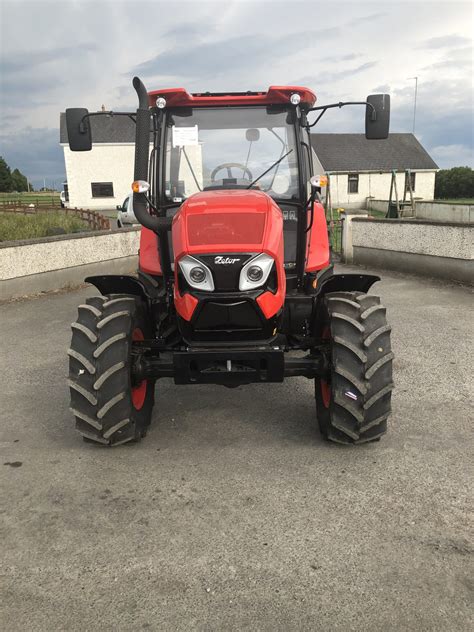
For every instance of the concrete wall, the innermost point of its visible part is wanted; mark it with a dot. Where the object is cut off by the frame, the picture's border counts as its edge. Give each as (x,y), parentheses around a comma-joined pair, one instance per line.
(377,205)
(433,210)
(32,266)
(415,246)
(445,212)
(377,186)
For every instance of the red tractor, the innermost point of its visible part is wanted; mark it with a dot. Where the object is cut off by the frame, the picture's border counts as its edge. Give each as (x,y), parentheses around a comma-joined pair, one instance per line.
(234,283)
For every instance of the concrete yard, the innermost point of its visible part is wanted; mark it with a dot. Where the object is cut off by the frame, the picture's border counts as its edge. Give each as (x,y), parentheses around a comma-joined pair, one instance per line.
(233,514)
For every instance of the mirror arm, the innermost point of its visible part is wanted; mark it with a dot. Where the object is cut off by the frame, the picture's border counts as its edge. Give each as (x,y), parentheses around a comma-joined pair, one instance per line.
(319,117)
(323,109)
(315,195)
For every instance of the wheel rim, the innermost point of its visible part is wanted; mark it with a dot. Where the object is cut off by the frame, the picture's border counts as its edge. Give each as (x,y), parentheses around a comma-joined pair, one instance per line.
(138,391)
(325,386)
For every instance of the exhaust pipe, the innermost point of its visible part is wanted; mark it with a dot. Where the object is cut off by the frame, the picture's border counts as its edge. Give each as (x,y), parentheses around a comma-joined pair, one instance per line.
(160,225)
(142,149)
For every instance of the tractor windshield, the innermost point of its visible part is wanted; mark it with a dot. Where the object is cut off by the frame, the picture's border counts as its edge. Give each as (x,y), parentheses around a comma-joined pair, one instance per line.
(228,148)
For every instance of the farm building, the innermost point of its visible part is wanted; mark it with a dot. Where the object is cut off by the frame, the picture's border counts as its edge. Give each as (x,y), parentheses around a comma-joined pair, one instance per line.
(101,179)
(362,168)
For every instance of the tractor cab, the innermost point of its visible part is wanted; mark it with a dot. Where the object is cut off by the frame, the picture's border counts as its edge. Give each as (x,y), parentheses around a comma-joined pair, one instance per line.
(234,142)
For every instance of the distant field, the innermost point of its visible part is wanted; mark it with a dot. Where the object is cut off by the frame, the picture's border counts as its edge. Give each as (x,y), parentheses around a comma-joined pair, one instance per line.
(16,226)
(30,198)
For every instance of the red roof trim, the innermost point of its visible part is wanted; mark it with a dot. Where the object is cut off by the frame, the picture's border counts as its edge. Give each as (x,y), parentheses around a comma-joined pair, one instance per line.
(179,97)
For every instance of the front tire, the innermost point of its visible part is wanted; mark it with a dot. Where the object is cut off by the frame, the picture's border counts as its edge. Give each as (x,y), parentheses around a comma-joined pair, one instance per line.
(354,402)
(110,407)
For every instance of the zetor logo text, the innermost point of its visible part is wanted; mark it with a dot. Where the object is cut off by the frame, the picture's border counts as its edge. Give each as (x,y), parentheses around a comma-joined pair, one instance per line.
(225,260)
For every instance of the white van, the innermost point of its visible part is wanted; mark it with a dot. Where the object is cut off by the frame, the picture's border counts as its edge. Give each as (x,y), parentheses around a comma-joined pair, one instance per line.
(125,214)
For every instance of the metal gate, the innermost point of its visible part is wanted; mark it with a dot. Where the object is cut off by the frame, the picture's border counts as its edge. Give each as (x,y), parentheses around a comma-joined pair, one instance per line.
(334,224)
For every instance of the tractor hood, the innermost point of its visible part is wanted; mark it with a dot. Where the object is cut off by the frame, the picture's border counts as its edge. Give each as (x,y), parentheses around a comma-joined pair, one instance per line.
(228,221)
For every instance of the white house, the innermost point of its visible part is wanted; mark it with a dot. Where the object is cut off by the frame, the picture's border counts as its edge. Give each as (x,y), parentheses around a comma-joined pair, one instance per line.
(361,168)
(101,178)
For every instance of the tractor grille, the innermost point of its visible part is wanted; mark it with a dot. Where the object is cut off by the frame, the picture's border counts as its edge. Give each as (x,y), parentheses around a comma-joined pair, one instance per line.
(225,269)
(226,228)
(228,316)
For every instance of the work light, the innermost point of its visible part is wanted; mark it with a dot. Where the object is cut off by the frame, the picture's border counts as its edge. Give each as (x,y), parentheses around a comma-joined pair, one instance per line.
(161,102)
(295,98)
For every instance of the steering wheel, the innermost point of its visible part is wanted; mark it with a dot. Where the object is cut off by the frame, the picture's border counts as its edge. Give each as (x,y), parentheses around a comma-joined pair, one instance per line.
(229,166)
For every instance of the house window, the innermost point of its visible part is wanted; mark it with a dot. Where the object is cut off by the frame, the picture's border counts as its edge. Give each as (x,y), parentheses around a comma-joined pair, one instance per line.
(353,183)
(412,180)
(102,189)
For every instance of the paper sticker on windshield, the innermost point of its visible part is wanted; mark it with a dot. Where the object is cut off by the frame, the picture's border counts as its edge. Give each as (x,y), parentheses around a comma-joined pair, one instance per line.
(185,136)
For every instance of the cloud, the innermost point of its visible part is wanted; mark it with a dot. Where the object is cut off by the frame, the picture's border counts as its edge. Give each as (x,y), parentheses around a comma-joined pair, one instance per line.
(445,41)
(366,19)
(36,152)
(223,57)
(453,60)
(330,77)
(338,58)
(447,155)
(32,59)
(84,54)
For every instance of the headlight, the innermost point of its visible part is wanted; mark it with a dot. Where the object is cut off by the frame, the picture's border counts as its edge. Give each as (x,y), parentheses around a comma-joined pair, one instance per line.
(255,272)
(196,273)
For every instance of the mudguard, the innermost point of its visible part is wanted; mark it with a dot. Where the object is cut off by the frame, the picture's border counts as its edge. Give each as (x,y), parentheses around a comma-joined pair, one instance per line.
(119,284)
(347,283)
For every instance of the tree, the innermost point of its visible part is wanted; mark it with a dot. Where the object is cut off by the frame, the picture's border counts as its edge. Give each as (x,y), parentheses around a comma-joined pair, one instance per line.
(454,183)
(6,183)
(20,183)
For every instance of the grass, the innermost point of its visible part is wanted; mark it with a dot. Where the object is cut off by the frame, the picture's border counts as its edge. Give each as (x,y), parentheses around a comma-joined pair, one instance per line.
(378,214)
(16,226)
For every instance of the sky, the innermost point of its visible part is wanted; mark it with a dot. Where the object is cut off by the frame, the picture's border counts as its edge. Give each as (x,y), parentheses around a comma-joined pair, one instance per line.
(84,53)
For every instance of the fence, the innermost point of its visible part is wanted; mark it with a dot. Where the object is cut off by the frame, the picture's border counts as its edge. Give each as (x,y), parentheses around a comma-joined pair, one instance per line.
(335,227)
(94,220)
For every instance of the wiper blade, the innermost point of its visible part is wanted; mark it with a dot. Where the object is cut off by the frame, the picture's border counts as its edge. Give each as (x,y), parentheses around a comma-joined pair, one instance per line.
(270,168)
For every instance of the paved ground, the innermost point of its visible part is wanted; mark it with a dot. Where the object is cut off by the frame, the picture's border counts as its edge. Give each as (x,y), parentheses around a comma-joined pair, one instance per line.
(232,514)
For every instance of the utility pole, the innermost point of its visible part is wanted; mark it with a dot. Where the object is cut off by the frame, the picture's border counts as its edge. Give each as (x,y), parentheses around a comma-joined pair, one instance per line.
(414,106)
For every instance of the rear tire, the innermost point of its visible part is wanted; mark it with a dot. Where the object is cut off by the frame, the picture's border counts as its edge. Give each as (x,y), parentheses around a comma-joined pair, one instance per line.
(354,403)
(109,407)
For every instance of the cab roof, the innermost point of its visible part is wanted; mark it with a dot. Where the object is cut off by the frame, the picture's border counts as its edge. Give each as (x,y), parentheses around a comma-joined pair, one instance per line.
(179,97)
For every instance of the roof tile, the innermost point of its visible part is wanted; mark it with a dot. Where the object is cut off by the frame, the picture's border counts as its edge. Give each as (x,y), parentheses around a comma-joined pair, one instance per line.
(353,152)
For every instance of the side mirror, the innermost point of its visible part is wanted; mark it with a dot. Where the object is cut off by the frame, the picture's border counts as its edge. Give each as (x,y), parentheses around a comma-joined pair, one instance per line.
(377,116)
(78,129)
(252,135)
(119,207)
